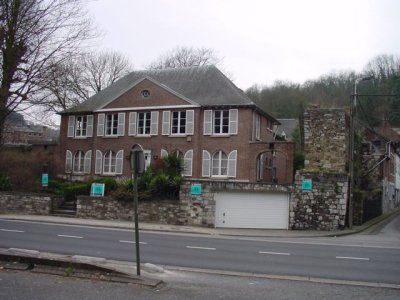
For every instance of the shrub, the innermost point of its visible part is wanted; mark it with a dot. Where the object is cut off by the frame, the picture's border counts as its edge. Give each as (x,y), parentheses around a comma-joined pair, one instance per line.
(5,183)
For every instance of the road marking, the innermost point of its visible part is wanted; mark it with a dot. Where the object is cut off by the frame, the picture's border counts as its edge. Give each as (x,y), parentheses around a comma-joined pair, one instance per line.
(201,248)
(354,258)
(274,253)
(11,230)
(70,236)
(132,242)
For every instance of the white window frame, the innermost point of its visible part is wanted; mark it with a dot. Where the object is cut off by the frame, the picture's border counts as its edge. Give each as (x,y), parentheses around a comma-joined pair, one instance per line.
(224,114)
(146,123)
(68,161)
(111,125)
(179,118)
(81,123)
(218,162)
(109,163)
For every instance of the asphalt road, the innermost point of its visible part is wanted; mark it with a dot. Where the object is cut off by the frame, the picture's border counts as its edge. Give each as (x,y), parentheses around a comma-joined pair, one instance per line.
(315,258)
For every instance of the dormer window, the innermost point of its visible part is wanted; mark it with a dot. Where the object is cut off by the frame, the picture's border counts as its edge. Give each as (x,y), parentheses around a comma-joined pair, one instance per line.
(145,93)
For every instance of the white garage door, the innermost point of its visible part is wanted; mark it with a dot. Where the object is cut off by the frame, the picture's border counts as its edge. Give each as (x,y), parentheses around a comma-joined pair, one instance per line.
(252,210)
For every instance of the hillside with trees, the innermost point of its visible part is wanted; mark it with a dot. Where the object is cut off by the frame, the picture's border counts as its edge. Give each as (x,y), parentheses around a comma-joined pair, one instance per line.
(286,99)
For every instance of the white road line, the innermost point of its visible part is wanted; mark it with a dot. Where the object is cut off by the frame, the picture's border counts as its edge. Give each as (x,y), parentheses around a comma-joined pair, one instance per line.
(70,236)
(354,258)
(11,230)
(274,253)
(132,242)
(201,248)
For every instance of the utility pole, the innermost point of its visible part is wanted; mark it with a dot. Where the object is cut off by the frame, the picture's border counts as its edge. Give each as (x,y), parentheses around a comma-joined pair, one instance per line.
(353,110)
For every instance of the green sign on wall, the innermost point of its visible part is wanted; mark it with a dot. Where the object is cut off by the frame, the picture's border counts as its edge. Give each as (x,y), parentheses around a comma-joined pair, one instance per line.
(196,189)
(97,189)
(307,185)
(45,180)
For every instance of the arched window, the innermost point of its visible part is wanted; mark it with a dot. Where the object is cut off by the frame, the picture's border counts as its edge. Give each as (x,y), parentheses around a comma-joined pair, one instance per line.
(79,162)
(219,164)
(109,162)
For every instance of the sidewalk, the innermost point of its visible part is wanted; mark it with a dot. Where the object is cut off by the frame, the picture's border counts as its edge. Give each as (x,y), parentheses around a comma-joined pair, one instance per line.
(200,230)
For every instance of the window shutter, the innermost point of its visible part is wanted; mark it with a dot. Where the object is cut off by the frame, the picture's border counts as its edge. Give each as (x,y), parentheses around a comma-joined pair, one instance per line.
(68,162)
(99,162)
(71,126)
(154,123)
(100,124)
(233,121)
(232,157)
(166,119)
(189,122)
(132,123)
(121,124)
(88,162)
(207,130)
(187,162)
(119,162)
(206,164)
(89,126)
(164,153)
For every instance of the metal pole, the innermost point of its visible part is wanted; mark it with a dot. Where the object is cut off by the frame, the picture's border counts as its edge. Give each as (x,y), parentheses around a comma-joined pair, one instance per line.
(351,158)
(135,199)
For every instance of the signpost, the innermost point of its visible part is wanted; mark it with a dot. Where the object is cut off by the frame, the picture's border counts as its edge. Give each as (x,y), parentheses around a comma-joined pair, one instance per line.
(137,167)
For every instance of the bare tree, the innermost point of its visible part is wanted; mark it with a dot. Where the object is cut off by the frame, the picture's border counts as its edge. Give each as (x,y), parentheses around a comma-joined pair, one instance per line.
(33,33)
(103,69)
(186,57)
(71,82)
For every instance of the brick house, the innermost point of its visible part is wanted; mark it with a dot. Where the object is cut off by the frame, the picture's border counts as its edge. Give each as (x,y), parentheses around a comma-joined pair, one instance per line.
(196,112)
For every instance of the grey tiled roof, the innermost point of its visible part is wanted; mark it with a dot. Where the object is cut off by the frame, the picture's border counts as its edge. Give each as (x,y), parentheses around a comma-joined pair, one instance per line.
(205,86)
(287,126)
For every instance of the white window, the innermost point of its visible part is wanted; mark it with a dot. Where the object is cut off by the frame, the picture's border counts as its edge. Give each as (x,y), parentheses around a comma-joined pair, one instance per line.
(80,126)
(219,164)
(79,162)
(178,125)
(220,122)
(112,124)
(144,123)
(109,165)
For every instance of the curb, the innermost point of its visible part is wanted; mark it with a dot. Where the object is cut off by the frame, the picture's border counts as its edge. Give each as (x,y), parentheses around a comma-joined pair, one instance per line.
(369,224)
(70,266)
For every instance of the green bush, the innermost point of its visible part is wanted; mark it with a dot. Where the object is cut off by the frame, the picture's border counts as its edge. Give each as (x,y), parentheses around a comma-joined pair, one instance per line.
(5,183)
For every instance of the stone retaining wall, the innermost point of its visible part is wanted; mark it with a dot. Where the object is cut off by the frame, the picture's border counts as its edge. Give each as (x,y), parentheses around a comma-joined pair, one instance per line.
(323,207)
(21,203)
(106,208)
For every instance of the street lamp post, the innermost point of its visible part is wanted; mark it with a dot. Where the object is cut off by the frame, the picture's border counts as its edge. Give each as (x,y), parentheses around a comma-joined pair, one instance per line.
(353,107)
(137,167)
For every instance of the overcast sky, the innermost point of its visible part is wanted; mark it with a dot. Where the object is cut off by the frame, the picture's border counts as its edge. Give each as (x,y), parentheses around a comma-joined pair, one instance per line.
(260,41)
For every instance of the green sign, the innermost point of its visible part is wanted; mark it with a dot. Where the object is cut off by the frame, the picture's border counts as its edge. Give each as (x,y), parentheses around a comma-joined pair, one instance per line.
(45,180)
(196,189)
(97,190)
(307,185)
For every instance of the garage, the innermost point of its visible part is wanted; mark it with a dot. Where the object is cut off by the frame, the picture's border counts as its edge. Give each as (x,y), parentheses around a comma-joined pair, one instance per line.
(251,210)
